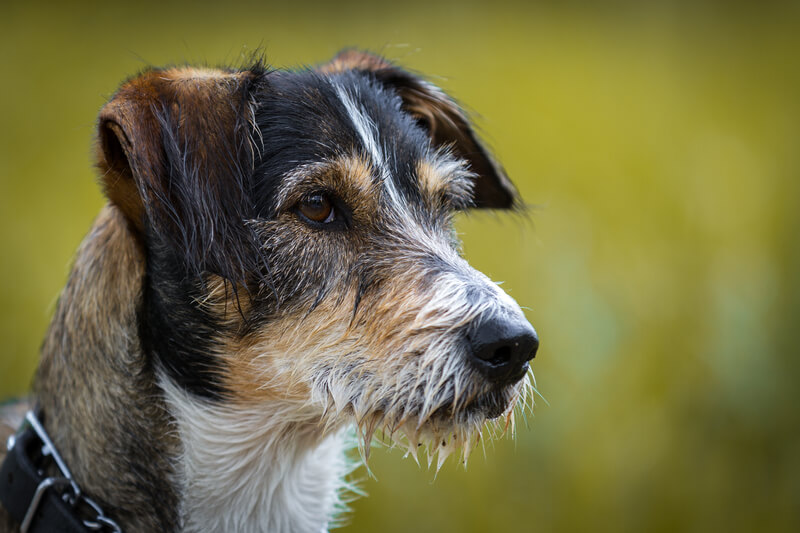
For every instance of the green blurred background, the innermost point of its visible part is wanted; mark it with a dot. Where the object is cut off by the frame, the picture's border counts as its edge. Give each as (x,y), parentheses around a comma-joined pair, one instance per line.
(659,142)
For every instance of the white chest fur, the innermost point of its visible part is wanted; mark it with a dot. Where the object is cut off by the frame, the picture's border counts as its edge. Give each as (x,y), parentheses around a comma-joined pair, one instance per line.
(257,468)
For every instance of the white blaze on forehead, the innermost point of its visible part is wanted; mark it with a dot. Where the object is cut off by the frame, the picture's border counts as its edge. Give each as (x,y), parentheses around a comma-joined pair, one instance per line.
(368,134)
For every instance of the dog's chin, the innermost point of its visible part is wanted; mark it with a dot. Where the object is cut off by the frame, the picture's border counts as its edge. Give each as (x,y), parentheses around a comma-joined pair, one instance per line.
(491,405)
(487,406)
(457,423)
(453,427)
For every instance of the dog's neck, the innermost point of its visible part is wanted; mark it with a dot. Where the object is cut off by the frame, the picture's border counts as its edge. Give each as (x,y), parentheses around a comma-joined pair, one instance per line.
(98,394)
(157,458)
(256,468)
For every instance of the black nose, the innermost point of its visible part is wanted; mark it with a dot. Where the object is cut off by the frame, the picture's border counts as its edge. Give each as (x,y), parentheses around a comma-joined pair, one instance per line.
(502,346)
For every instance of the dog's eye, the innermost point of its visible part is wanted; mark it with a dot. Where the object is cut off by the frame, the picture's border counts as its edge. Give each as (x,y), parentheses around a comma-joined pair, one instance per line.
(317,208)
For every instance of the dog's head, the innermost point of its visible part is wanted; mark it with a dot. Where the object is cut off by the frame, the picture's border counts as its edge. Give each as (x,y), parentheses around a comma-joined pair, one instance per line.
(300,248)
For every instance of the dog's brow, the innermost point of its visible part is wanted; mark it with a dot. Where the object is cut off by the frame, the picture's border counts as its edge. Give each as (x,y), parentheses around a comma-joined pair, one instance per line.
(294,179)
(357,171)
(367,132)
(349,172)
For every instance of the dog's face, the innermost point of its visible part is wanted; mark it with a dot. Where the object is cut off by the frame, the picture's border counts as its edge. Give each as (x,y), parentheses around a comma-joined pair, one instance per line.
(300,246)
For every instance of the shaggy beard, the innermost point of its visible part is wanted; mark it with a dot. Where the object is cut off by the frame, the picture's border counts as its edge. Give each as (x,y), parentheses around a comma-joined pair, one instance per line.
(425,407)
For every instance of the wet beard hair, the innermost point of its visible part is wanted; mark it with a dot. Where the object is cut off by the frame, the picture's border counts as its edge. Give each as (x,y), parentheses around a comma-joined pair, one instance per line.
(426,406)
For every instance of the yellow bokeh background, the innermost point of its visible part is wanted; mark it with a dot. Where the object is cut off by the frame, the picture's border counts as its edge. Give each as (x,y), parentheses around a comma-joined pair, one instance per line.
(658,145)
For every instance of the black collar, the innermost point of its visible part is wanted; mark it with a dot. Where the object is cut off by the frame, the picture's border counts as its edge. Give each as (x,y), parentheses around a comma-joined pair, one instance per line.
(43,503)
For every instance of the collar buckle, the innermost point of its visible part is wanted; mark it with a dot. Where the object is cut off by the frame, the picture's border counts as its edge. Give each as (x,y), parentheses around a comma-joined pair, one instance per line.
(54,482)
(70,491)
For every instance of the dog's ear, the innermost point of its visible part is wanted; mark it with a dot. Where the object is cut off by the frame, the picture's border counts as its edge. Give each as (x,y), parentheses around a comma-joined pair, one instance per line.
(445,121)
(175,148)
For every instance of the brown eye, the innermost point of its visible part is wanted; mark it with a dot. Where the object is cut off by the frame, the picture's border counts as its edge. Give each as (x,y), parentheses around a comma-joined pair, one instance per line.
(317,208)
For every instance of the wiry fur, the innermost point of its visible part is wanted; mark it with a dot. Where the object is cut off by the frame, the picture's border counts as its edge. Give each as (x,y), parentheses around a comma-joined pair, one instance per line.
(278,470)
(218,344)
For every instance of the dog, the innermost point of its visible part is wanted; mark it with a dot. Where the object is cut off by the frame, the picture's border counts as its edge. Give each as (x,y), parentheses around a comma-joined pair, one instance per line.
(276,265)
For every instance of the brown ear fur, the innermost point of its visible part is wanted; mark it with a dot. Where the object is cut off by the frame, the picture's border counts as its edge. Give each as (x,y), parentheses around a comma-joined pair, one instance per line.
(446,122)
(176,153)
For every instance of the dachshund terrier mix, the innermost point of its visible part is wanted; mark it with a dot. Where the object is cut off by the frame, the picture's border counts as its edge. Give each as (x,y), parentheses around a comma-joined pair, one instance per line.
(276,265)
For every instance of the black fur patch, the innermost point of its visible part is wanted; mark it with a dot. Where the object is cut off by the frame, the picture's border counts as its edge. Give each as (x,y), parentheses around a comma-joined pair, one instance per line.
(176,334)
(205,196)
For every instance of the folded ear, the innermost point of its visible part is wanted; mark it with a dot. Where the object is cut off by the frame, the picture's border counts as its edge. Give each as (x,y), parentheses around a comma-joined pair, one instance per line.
(445,121)
(176,154)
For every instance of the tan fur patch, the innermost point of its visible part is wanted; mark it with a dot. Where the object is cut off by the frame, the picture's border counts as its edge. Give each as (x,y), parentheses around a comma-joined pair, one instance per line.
(191,73)
(391,326)
(350,176)
(357,171)
(431,182)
